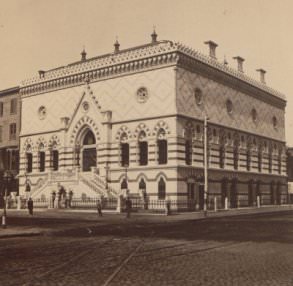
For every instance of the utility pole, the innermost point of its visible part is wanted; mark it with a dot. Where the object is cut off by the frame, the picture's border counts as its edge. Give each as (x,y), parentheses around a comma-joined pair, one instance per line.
(205,164)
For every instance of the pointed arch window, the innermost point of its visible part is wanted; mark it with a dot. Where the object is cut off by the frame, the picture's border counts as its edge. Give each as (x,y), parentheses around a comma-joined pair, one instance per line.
(55,160)
(248,159)
(222,157)
(124,150)
(29,162)
(124,184)
(188,146)
(142,149)
(162,147)
(41,158)
(161,189)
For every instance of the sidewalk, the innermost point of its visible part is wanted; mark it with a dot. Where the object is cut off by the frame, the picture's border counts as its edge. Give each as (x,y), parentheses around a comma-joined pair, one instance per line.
(20,224)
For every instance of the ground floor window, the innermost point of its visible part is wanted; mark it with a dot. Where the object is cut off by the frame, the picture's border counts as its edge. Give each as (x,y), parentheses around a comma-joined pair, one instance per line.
(161,189)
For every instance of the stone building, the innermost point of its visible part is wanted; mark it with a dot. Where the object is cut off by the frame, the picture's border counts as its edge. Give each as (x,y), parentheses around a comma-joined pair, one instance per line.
(9,136)
(131,121)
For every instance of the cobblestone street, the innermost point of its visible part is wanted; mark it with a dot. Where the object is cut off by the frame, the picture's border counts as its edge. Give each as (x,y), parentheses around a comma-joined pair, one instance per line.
(244,250)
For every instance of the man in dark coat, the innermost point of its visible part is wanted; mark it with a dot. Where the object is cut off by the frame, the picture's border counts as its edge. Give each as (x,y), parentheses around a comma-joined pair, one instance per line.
(99,208)
(30,206)
(128,205)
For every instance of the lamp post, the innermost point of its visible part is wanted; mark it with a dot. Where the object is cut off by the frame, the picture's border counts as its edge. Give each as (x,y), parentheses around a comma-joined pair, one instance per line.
(6,178)
(205,164)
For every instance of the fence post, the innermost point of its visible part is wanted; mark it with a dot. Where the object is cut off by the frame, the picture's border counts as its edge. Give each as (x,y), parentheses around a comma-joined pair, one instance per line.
(119,204)
(258,201)
(215,203)
(226,203)
(18,202)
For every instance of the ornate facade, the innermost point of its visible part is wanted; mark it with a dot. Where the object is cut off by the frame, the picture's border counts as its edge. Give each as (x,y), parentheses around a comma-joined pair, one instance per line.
(133,120)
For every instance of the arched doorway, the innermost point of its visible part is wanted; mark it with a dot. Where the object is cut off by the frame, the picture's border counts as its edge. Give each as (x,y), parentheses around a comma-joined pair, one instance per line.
(89,151)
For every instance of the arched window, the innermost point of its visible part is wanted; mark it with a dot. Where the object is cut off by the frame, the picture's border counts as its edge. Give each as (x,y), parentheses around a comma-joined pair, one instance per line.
(142,187)
(188,151)
(161,189)
(29,162)
(236,157)
(55,160)
(142,149)
(270,161)
(124,184)
(162,147)
(89,138)
(124,150)
(41,158)
(259,159)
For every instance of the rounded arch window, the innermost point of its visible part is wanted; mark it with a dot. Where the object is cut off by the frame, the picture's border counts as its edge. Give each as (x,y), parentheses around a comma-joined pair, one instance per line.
(275,122)
(229,106)
(142,94)
(161,134)
(198,96)
(123,137)
(142,136)
(254,114)
(89,138)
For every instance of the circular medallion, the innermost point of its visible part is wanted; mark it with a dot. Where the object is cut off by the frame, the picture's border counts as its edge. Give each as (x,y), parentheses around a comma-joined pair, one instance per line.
(85,106)
(42,112)
(142,95)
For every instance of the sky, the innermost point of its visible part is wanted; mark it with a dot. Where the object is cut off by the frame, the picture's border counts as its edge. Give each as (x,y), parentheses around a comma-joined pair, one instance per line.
(41,35)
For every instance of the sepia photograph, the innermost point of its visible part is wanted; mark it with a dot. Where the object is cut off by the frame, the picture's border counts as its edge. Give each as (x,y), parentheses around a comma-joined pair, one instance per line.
(146,143)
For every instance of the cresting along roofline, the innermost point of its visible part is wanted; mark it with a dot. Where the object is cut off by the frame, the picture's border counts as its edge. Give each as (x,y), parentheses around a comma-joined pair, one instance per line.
(145,51)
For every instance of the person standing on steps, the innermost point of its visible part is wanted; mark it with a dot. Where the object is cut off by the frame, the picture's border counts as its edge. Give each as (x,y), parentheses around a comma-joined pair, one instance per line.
(30,206)
(99,208)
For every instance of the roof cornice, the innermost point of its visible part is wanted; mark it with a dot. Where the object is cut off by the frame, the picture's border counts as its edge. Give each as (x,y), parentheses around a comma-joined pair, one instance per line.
(145,57)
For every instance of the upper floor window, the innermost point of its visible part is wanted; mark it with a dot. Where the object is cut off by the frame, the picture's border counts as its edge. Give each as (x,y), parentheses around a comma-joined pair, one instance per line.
(1,133)
(55,159)
(162,147)
(13,106)
(222,157)
(29,162)
(1,109)
(12,131)
(188,152)
(124,154)
(42,157)
(143,149)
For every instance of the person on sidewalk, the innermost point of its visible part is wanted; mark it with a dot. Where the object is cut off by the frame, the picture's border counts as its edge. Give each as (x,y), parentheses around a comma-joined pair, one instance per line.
(30,206)
(128,204)
(99,208)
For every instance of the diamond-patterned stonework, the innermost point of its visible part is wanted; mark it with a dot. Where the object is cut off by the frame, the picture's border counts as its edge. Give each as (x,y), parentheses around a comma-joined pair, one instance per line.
(215,96)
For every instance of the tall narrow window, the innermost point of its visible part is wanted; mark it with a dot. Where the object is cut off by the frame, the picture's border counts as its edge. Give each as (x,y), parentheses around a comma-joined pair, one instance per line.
(161,189)
(55,160)
(29,162)
(143,153)
(235,157)
(248,159)
(259,159)
(1,133)
(1,109)
(12,131)
(13,106)
(222,157)
(124,154)
(280,162)
(188,152)
(162,150)
(41,161)
(270,161)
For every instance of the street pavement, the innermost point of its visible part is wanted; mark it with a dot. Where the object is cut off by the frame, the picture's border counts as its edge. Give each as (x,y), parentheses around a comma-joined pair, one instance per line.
(240,247)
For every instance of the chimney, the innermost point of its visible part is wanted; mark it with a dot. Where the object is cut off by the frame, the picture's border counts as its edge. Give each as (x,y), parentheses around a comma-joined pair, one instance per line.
(116,46)
(262,73)
(239,63)
(212,47)
(154,36)
(41,74)
(83,55)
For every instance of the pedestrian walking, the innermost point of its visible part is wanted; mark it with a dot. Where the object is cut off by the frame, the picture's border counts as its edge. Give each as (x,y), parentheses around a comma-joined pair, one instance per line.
(30,206)
(99,208)
(128,204)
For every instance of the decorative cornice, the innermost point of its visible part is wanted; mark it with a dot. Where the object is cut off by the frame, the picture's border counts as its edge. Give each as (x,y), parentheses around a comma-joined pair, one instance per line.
(144,57)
